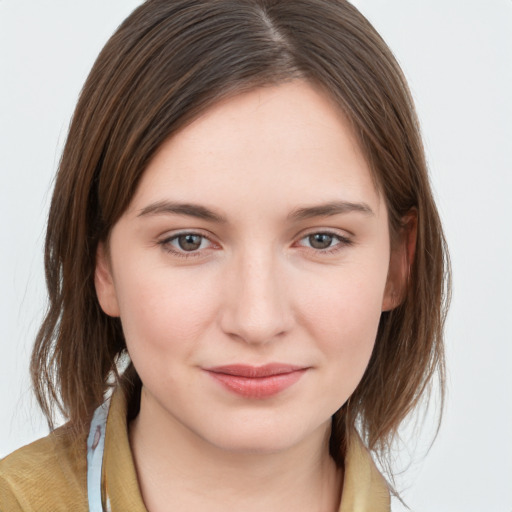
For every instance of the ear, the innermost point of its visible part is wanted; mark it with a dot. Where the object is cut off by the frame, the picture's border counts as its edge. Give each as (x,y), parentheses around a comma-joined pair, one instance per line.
(104,282)
(400,263)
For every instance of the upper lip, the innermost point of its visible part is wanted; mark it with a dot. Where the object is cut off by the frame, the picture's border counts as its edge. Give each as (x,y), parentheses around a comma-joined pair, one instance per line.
(244,370)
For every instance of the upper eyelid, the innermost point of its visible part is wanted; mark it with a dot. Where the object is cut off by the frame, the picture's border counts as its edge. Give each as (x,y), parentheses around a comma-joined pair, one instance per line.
(168,236)
(166,240)
(343,235)
(166,244)
(341,239)
(302,234)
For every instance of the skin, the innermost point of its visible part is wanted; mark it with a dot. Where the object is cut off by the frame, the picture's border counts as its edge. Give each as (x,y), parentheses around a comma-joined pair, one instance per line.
(258,289)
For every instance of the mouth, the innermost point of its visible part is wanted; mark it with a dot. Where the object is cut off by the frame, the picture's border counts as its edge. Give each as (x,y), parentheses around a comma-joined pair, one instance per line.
(257,382)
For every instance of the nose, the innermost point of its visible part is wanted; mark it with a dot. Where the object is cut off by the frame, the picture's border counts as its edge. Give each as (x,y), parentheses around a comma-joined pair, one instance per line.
(256,307)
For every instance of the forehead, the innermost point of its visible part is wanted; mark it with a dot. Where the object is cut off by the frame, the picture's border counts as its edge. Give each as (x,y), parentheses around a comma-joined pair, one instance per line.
(270,147)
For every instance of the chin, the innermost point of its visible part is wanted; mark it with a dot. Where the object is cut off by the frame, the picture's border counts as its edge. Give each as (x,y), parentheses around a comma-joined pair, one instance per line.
(263,445)
(261,437)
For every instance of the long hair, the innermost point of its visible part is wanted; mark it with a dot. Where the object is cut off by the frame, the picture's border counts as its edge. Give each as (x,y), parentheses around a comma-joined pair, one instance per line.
(167,63)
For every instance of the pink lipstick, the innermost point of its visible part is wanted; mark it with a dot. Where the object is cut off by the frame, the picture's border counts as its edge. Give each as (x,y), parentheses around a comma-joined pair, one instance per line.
(257,381)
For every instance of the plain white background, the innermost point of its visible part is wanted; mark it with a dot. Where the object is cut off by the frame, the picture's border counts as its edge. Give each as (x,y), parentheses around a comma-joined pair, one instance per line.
(457,55)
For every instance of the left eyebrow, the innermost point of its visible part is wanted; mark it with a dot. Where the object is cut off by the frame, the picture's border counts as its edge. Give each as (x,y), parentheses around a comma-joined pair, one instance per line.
(329,209)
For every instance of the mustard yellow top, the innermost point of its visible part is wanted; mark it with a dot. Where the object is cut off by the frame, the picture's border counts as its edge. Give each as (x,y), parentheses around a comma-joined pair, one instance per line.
(50,475)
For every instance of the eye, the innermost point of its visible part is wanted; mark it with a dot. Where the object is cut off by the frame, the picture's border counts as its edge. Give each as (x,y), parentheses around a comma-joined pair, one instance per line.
(324,241)
(320,240)
(184,244)
(189,242)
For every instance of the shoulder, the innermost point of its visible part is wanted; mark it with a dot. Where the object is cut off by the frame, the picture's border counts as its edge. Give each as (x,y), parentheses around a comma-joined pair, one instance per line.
(364,487)
(47,475)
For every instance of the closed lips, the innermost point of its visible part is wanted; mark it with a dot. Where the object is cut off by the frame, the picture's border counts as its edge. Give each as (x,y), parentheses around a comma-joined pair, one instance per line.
(257,381)
(255,371)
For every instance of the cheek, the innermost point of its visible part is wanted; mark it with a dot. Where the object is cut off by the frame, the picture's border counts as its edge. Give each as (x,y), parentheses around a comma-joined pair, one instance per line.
(163,313)
(347,327)
(343,317)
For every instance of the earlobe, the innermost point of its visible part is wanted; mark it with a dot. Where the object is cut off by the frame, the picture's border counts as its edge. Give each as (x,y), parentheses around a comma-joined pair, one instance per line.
(400,264)
(104,283)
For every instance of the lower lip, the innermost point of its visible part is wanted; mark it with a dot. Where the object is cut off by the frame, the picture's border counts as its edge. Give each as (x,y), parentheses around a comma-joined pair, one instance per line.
(258,387)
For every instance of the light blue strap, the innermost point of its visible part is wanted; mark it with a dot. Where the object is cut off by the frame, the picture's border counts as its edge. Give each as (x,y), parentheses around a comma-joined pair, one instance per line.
(95,448)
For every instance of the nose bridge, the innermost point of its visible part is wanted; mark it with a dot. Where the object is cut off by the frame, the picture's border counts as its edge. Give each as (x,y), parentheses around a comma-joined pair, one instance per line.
(257,309)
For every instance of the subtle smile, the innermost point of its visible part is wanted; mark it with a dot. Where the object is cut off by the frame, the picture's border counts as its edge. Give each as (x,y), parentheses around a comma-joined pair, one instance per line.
(257,381)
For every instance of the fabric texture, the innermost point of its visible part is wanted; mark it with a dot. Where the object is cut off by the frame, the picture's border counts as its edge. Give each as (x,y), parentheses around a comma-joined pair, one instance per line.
(50,475)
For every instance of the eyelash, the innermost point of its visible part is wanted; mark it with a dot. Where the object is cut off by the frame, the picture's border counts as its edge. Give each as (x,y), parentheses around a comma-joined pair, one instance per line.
(343,242)
(166,244)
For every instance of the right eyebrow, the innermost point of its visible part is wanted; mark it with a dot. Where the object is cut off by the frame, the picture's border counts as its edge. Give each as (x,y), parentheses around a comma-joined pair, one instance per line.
(189,209)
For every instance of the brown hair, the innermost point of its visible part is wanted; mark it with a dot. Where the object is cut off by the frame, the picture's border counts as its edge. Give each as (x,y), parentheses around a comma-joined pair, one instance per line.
(167,63)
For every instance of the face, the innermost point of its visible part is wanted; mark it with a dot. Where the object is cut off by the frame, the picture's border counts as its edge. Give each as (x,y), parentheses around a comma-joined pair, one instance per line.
(250,271)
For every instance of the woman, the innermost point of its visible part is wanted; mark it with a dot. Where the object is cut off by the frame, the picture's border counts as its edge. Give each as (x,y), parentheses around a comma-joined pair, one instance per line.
(243,250)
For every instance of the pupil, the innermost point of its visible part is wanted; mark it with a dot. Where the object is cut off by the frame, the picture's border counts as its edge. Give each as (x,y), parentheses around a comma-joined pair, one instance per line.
(189,242)
(320,240)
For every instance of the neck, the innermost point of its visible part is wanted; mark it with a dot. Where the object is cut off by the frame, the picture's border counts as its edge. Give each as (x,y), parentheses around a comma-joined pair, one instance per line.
(178,470)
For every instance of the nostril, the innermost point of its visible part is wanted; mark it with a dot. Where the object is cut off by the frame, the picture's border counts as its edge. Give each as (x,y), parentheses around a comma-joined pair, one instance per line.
(256,325)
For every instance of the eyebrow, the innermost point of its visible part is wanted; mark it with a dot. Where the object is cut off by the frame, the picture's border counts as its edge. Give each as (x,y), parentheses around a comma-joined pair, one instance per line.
(192,210)
(201,212)
(329,209)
